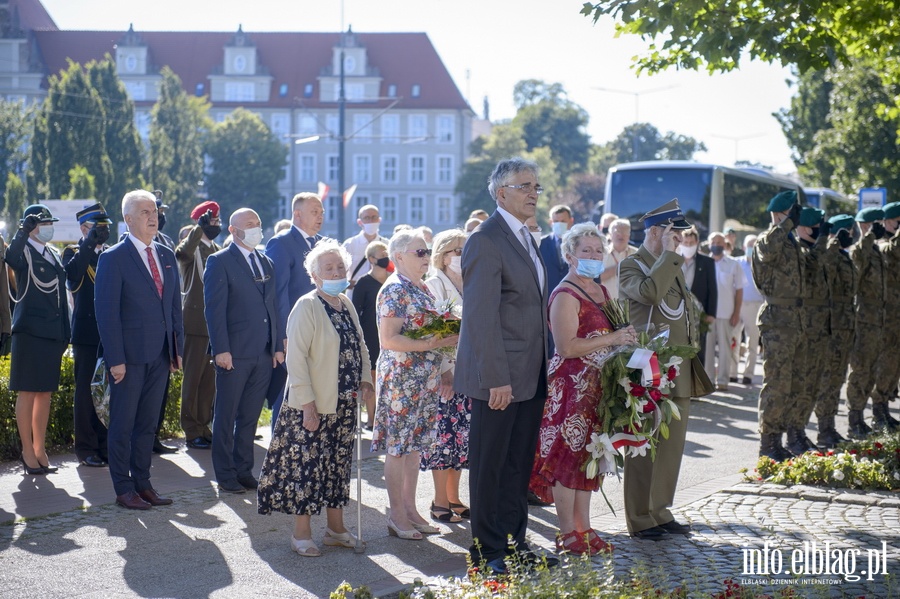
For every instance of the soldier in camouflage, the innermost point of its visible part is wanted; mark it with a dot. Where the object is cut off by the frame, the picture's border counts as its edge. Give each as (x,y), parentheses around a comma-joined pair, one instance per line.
(840,272)
(888,369)
(776,265)
(868,343)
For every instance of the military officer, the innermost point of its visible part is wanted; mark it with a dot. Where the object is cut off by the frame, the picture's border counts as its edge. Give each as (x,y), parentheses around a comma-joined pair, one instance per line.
(888,368)
(776,265)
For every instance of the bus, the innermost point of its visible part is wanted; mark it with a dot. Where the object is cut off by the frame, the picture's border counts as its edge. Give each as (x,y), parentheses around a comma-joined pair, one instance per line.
(711,196)
(830,201)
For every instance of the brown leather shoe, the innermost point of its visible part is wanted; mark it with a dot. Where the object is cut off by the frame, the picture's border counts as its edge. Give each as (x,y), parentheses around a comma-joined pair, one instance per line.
(132,501)
(154,498)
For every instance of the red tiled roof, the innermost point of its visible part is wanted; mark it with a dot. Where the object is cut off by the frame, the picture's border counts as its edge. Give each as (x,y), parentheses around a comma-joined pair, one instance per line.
(403,59)
(32,15)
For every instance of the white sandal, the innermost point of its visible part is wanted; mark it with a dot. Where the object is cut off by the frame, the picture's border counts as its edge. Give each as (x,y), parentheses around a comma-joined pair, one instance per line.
(343,539)
(305,547)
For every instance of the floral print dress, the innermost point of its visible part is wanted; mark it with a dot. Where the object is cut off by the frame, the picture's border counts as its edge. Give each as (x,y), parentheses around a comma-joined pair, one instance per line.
(407,382)
(304,470)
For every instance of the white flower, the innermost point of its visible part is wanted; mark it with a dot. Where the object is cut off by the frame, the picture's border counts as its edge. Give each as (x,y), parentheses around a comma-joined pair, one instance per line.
(396,405)
(636,402)
(639,450)
(676,413)
(600,445)
(674,361)
(896,475)
(625,383)
(592,467)
(838,475)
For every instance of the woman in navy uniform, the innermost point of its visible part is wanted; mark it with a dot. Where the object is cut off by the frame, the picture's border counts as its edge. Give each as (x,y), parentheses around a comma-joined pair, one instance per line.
(40,331)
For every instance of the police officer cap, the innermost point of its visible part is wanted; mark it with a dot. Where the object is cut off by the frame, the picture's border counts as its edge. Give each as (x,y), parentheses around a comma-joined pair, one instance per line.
(892,210)
(159,201)
(663,216)
(811,217)
(841,221)
(42,211)
(783,201)
(869,215)
(93,214)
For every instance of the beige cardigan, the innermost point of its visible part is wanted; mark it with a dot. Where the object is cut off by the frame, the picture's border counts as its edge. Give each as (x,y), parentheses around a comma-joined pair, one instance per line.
(313,348)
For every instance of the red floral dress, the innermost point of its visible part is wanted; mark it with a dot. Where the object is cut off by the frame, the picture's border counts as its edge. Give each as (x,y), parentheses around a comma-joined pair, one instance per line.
(570,414)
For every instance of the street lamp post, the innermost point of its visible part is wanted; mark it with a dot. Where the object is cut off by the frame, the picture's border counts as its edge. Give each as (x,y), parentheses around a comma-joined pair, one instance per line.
(637,110)
(342,100)
(737,140)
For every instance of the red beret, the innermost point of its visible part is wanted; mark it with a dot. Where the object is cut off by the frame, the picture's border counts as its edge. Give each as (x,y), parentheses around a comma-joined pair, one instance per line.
(201,209)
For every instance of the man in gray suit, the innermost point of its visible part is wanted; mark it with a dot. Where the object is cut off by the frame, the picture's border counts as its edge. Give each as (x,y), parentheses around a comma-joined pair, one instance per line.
(502,363)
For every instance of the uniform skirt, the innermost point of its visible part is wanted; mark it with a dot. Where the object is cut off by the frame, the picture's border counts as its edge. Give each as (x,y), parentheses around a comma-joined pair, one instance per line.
(35,363)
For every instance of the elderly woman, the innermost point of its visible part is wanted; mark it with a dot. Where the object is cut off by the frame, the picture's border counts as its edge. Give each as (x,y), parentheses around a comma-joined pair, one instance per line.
(450,452)
(364,295)
(582,333)
(408,375)
(40,332)
(307,466)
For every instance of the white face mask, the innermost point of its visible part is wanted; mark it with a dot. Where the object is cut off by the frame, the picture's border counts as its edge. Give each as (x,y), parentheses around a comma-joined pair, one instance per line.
(252,237)
(370,229)
(688,251)
(559,229)
(537,236)
(455,264)
(45,233)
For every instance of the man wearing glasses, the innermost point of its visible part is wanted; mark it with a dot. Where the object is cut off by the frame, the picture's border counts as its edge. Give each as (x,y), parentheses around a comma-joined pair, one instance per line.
(502,363)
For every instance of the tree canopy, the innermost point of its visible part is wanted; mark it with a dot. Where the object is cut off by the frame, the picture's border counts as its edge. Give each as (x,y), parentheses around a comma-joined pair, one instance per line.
(16,123)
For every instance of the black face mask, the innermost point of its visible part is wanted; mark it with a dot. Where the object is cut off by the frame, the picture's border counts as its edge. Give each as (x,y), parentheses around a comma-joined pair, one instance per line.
(878,230)
(161,222)
(102,234)
(211,231)
(814,232)
(383,262)
(844,238)
(717,250)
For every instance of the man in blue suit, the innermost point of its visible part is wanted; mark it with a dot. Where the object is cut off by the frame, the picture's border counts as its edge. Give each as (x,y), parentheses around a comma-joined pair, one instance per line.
(561,220)
(247,340)
(287,251)
(137,296)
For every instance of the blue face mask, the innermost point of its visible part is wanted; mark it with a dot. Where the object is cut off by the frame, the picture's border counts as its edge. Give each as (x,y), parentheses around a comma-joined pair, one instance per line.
(334,287)
(590,268)
(559,229)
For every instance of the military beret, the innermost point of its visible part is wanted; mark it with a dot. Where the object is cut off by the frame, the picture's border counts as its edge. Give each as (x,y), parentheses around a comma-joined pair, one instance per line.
(869,215)
(41,211)
(783,201)
(810,217)
(892,210)
(201,209)
(841,221)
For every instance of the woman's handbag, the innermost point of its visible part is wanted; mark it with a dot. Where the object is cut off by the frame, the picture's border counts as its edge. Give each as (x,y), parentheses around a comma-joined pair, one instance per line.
(100,391)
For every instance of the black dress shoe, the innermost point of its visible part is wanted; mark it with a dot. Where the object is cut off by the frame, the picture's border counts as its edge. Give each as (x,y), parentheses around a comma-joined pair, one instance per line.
(248,482)
(93,461)
(153,498)
(746,381)
(732,379)
(132,501)
(198,443)
(536,501)
(159,448)
(231,486)
(654,534)
(257,437)
(676,528)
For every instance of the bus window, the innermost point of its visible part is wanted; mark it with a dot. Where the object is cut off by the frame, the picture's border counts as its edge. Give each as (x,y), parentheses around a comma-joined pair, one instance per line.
(747,200)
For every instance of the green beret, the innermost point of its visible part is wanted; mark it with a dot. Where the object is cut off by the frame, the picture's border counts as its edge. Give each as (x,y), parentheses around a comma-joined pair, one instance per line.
(783,201)
(810,217)
(869,215)
(841,221)
(892,210)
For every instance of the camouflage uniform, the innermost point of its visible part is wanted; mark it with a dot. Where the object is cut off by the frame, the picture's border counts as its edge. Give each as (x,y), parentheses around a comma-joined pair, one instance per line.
(887,371)
(776,265)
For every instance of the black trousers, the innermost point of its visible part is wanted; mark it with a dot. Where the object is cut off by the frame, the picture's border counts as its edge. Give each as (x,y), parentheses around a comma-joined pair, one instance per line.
(90,434)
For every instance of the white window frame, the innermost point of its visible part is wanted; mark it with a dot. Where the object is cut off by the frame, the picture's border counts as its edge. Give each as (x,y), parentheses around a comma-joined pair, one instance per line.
(390,209)
(332,204)
(307,173)
(240,91)
(390,128)
(332,162)
(444,209)
(385,169)
(417,174)
(443,175)
(446,128)
(362,168)
(417,125)
(416,209)
(307,125)
(362,129)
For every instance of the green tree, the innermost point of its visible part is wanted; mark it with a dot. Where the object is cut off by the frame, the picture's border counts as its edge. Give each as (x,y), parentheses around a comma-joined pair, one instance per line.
(83,186)
(15,201)
(247,162)
(643,141)
(16,123)
(584,195)
(534,91)
(178,129)
(806,117)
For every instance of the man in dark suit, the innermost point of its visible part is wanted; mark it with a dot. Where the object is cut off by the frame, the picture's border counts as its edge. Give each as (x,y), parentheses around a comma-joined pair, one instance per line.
(198,387)
(163,239)
(561,220)
(137,297)
(287,251)
(700,278)
(502,363)
(246,336)
(80,262)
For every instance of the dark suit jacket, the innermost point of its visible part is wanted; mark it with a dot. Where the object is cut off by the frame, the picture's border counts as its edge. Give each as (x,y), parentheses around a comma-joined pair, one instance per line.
(39,314)
(134,322)
(551,252)
(192,280)
(81,268)
(287,250)
(503,340)
(242,318)
(705,287)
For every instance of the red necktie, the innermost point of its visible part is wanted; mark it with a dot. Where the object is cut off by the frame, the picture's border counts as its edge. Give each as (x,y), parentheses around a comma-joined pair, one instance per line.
(154,270)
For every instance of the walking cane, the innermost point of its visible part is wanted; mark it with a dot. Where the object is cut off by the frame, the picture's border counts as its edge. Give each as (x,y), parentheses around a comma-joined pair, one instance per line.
(360,546)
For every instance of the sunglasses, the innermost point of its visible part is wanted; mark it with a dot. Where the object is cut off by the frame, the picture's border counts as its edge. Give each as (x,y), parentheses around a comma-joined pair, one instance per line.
(420,253)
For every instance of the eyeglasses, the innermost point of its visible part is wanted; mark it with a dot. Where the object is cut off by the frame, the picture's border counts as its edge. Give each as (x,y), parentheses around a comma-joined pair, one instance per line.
(527,188)
(420,253)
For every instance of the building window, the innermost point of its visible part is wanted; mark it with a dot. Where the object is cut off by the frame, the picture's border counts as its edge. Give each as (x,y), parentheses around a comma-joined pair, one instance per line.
(198,90)
(445,169)
(308,90)
(417,126)
(445,210)
(333,166)
(282,90)
(389,209)
(240,91)
(416,209)
(333,124)
(280,124)
(416,169)
(356,92)
(416,90)
(137,90)
(445,125)
(362,168)
(307,125)
(359,202)
(362,128)
(389,166)
(390,129)
(392,91)
(331,208)
(307,169)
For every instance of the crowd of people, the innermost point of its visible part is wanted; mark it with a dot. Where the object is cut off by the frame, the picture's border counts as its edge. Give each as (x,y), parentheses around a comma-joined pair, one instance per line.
(319,330)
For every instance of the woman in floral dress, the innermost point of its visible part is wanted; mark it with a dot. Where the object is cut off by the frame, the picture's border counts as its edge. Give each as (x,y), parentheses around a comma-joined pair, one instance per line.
(582,335)
(408,376)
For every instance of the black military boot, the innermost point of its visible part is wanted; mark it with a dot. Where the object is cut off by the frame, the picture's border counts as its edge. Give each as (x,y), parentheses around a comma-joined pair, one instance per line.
(795,441)
(770,446)
(810,446)
(882,419)
(828,437)
(858,428)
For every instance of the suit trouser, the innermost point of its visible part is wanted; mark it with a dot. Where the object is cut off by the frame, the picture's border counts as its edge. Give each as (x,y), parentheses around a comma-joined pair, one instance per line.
(90,434)
(649,486)
(501,454)
(868,345)
(749,314)
(240,393)
(275,391)
(719,346)
(133,410)
(198,388)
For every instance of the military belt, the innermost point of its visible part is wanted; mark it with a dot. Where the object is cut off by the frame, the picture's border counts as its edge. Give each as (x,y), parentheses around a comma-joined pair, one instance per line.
(815,302)
(784,301)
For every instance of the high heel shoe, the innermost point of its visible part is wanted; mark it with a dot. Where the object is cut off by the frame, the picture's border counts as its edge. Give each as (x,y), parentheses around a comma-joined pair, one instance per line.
(406,535)
(444,514)
(48,469)
(29,470)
